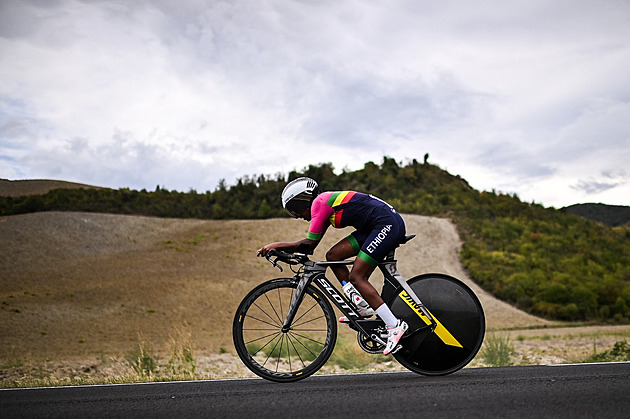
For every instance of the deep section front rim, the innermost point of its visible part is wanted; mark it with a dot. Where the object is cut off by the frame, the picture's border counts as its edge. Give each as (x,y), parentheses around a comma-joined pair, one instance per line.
(284,356)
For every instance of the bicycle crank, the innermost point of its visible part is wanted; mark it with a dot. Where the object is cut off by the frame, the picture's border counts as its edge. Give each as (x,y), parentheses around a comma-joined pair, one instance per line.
(370,345)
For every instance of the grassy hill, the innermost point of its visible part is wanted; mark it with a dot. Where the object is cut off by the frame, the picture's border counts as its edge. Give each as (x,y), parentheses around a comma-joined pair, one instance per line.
(545,261)
(86,289)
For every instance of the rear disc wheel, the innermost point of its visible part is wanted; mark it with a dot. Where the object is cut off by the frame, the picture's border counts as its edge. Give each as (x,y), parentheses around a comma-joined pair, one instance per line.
(459,335)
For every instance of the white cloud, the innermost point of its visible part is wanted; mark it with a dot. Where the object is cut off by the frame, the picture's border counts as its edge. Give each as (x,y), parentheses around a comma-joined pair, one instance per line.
(529,97)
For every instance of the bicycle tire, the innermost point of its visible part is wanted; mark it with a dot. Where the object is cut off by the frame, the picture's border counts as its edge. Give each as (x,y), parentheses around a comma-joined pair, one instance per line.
(457,308)
(272,354)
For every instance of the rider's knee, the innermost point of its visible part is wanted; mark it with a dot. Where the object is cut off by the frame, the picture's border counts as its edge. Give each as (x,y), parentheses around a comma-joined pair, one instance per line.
(355,277)
(332,255)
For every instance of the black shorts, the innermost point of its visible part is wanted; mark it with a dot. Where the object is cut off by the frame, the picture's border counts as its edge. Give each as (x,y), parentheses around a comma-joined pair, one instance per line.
(386,234)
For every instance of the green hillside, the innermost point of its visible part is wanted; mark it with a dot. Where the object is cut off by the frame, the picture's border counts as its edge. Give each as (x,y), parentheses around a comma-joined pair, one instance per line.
(545,261)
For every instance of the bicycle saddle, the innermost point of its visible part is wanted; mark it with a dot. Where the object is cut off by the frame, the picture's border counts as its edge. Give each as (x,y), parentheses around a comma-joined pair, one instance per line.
(407,238)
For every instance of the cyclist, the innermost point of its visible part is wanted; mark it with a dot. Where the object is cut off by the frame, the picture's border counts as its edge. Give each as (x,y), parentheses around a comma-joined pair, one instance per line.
(379,229)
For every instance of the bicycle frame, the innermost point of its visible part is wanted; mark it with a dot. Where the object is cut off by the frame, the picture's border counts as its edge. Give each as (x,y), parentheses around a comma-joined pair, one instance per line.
(315,272)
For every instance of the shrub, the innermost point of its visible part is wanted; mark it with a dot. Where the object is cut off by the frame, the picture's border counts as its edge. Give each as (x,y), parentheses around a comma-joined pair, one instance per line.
(497,350)
(620,352)
(143,362)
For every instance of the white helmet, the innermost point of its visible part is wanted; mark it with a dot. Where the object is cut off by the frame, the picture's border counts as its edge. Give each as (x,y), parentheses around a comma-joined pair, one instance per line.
(298,195)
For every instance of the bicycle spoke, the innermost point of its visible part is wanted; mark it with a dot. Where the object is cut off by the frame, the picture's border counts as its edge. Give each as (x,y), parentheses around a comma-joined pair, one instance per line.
(296,351)
(282,305)
(267,344)
(253,329)
(274,309)
(279,352)
(307,321)
(308,338)
(265,322)
(305,313)
(262,337)
(272,350)
(289,346)
(305,347)
(262,310)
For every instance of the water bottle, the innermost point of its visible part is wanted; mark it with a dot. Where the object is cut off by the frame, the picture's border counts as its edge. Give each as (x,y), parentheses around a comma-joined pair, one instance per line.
(355,297)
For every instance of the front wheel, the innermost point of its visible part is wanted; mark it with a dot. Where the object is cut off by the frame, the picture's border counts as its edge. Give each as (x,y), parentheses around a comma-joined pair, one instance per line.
(460,331)
(270,352)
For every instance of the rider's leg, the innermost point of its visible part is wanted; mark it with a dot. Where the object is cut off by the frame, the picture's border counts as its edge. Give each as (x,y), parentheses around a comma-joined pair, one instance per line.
(340,251)
(359,277)
(361,271)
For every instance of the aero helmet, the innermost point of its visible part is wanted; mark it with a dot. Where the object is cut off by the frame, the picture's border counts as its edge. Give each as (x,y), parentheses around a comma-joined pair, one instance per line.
(298,195)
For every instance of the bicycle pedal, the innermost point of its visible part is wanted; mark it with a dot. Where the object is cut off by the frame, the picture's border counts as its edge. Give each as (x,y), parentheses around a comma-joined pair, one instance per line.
(396,349)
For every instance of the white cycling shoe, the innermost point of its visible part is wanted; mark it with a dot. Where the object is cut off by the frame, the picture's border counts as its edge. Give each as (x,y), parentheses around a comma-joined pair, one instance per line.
(393,337)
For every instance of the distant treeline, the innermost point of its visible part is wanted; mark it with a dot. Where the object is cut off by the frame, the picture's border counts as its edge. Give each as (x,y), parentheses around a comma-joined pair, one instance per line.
(613,215)
(545,261)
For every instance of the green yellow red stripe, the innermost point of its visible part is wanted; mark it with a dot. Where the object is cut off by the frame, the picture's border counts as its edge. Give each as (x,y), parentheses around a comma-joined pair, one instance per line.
(335,218)
(343,198)
(339,198)
(332,198)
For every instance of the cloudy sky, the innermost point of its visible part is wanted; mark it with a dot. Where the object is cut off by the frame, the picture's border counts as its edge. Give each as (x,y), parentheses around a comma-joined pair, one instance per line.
(521,96)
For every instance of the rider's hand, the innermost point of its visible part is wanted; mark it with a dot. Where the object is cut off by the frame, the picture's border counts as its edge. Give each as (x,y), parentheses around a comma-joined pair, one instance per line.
(265,249)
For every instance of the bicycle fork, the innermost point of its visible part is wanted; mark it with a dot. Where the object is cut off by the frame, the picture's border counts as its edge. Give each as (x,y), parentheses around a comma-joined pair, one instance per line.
(296,300)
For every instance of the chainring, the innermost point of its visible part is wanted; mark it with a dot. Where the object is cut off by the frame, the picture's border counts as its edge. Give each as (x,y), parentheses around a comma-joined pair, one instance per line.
(368,345)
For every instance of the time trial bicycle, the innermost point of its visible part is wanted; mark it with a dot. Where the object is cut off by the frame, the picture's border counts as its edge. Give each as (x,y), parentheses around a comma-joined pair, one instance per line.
(285,329)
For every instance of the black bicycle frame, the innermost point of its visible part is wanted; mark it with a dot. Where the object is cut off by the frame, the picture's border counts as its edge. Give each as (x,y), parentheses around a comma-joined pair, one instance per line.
(315,272)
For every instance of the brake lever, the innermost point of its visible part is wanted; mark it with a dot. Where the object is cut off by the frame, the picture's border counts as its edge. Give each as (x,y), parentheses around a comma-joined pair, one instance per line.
(274,262)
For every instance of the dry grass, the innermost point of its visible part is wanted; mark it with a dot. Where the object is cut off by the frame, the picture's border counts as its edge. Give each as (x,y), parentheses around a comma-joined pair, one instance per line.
(79,291)
(92,283)
(35,187)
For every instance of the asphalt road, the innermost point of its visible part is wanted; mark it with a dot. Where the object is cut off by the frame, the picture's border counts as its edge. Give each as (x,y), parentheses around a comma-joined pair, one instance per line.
(569,391)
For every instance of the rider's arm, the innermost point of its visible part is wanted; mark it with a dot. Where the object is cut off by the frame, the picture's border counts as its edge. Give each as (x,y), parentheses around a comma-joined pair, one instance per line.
(320,212)
(289,246)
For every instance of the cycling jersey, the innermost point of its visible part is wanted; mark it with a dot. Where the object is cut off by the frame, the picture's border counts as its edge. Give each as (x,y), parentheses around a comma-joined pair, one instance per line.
(379,228)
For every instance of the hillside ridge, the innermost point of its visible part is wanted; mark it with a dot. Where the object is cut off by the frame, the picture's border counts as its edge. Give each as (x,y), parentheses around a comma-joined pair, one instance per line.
(80,284)
(27,187)
(543,260)
(612,215)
